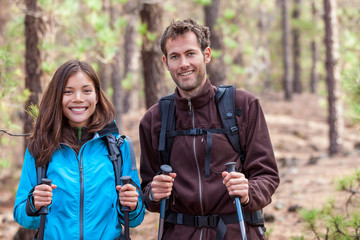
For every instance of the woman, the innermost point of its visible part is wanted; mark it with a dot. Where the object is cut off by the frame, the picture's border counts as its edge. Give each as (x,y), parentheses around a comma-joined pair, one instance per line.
(68,138)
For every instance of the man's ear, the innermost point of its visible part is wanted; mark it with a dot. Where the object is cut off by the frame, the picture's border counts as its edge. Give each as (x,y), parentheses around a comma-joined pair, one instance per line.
(207,54)
(165,62)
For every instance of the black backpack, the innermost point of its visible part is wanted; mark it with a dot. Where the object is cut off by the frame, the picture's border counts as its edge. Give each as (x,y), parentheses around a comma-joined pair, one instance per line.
(224,98)
(113,145)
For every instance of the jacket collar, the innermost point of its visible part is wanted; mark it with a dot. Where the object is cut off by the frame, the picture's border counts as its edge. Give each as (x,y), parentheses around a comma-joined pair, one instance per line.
(109,128)
(203,97)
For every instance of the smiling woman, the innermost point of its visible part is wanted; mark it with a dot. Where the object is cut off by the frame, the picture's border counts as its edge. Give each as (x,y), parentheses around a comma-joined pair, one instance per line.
(68,139)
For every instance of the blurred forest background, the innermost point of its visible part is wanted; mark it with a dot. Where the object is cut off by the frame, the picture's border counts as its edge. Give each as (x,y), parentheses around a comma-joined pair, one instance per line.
(301,57)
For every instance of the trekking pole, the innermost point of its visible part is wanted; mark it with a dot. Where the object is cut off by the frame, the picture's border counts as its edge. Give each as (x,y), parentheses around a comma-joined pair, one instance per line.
(231,168)
(126,209)
(165,169)
(43,212)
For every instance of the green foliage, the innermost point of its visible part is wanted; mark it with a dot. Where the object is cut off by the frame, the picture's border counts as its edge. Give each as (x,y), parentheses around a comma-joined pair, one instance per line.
(142,28)
(351,85)
(151,36)
(33,111)
(337,220)
(229,14)
(127,82)
(203,2)
(215,53)
(4,163)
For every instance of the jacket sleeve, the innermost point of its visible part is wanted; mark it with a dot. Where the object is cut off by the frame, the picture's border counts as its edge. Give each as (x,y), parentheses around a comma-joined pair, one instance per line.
(260,164)
(28,181)
(128,169)
(149,163)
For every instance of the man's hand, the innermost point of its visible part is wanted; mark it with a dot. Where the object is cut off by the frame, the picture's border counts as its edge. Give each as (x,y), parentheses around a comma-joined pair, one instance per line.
(237,185)
(161,186)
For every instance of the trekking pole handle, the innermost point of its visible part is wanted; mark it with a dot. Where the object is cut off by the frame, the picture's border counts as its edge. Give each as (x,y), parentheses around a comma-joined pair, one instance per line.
(44,209)
(230,167)
(165,169)
(125,180)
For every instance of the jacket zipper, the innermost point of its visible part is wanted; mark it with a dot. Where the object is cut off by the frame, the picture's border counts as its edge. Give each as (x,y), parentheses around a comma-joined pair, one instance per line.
(191,111)
(81,198)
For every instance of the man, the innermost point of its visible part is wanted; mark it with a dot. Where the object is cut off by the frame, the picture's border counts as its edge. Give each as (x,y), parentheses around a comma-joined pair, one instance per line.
(200,206)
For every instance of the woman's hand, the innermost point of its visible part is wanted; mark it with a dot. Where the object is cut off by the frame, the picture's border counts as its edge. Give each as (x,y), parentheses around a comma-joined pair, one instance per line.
(128,196)
(42,195)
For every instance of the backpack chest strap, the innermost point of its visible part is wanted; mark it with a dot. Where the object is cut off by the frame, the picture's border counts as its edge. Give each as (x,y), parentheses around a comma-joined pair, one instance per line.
(197,132)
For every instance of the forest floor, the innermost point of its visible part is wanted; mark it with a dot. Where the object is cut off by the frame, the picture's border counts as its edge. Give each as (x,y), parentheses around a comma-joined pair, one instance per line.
(299,133)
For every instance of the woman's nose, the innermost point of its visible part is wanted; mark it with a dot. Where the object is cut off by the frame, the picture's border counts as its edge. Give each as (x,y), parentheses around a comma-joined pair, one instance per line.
(78,96)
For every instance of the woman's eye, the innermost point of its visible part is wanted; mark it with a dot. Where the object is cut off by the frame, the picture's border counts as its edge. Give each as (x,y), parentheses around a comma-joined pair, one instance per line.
(67,92)
(88,91)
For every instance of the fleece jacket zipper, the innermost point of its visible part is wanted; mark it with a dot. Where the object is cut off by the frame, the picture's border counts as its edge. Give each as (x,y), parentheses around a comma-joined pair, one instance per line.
(191,111)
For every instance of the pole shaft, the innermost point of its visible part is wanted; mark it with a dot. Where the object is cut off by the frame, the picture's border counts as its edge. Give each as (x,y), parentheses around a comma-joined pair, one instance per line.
(165,169)
(230,167)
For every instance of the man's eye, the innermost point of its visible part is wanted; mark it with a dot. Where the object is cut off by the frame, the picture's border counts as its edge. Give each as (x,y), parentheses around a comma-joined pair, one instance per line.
(173,57)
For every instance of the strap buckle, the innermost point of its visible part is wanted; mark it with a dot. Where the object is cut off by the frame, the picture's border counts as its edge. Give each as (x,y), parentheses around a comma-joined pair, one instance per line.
(210,221)
(195,131)
(234,130)
(119,141)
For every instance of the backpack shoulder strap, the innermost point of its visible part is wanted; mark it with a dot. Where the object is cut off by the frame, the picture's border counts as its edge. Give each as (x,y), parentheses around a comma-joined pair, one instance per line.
(167,111)
(132,153)
(41,173)
(113,146)
(225,99)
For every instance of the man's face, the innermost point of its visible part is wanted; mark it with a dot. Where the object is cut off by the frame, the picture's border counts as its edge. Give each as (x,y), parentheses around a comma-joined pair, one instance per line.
(187,63)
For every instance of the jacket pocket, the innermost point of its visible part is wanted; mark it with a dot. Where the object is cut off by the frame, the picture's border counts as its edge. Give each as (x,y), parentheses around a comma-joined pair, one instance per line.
(222,152)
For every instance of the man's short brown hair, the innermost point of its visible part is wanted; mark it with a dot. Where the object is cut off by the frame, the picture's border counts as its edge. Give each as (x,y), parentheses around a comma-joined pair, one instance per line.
(181,27)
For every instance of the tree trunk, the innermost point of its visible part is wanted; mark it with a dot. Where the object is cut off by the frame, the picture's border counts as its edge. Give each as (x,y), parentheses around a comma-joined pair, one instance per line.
(130,53)
(33,74)
(4,15)
(116,71)
(104,74)
(314,79)
(153,69)
(263,25)
(32,59)
(117,88)
(286,49)
(335,117)
(297,85)
(216,68)
(104,66)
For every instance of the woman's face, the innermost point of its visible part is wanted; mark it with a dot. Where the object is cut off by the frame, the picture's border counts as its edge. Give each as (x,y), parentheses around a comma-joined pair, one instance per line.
(79,99)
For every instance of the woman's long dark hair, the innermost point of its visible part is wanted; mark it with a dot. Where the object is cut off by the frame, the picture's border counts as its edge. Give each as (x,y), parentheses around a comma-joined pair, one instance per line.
(51,127)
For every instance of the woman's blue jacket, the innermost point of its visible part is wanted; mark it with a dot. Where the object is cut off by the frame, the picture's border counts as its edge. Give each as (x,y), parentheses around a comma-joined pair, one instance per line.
(84,204)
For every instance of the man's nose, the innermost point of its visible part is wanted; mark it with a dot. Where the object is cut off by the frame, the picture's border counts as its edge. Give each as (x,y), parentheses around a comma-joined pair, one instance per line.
(184,62)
